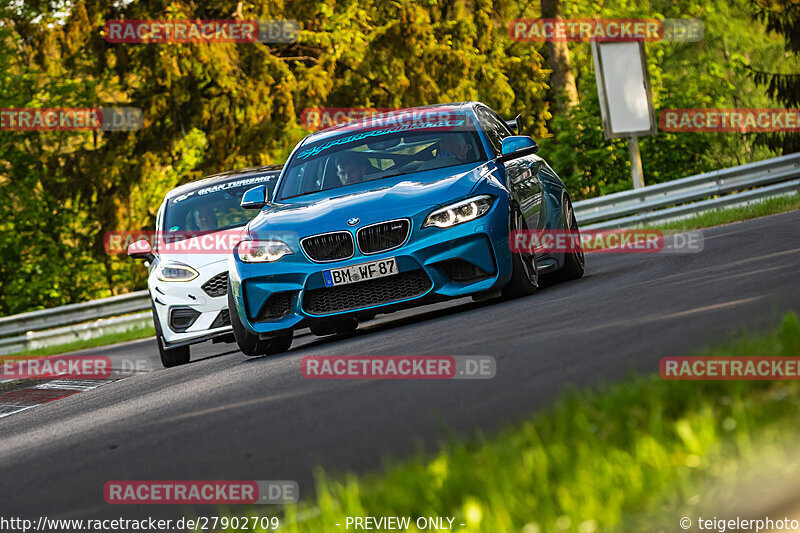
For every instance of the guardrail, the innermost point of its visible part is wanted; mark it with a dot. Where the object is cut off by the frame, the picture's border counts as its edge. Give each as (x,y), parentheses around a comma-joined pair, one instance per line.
(670,200)
(69,323)
(75,313)
(31,340)
(655,203)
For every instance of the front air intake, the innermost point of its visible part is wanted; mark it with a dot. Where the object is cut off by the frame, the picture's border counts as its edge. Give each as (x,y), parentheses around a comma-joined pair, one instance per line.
(277,306)
(365,294)
(182,318)
(216,286)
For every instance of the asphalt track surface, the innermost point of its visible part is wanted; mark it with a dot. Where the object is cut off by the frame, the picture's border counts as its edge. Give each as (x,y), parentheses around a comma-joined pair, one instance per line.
(225,416)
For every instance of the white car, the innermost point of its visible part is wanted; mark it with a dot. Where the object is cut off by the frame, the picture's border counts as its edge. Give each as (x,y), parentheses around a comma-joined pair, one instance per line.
(196,227)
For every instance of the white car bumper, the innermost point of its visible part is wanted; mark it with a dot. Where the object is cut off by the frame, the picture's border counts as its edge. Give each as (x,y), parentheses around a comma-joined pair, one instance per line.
(192,311)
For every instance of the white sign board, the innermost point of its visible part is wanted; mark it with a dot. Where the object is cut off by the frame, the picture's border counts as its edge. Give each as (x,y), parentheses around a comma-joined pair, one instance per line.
(623,85)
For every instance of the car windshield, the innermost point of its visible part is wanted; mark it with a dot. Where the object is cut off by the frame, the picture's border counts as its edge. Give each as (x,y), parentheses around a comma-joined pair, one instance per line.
(215,207)
(362,156)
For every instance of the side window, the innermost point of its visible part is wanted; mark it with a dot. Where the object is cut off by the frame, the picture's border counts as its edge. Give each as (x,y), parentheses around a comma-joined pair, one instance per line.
(501,124)
(495,129)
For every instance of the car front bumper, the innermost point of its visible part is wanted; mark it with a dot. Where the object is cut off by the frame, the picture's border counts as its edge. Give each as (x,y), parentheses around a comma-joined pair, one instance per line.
(433,264)
(205,316)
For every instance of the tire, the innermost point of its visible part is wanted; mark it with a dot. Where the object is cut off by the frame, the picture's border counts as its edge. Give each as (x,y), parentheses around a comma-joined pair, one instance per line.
(574,262)
(339,326)
(169,356)
(250,344)
(525,275)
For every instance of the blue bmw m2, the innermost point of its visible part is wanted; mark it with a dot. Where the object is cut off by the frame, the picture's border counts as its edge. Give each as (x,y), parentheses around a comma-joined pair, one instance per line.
(393,211)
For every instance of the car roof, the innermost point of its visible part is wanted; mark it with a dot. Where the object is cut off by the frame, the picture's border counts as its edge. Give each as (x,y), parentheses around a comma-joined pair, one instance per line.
(224,177)
(456,108)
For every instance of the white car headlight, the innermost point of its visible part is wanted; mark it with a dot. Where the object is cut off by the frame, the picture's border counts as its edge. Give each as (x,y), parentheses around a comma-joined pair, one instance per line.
(460,212)
(175,271)
(262,251)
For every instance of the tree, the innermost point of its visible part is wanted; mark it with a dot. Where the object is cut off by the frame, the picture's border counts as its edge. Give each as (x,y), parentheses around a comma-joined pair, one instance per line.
(209,108)
(562,80)
(784,19)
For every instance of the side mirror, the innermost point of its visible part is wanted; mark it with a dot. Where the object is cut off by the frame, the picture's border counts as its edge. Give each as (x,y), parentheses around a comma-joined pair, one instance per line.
(141,250)
(515,125)
(254,198)
(517,146)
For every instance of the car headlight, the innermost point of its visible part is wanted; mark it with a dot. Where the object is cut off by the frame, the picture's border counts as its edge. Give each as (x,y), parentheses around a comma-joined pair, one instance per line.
(262,251)
(175,271)
(460,212)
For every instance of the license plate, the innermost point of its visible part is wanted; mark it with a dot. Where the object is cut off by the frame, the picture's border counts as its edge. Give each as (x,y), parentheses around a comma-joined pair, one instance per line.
(362,272)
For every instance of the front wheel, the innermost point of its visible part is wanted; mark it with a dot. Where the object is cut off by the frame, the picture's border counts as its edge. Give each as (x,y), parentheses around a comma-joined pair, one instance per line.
(525,275)
(249,343)
(173,356)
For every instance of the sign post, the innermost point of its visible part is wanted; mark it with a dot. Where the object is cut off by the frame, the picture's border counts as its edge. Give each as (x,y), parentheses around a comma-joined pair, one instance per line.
(636,161)
(626,102)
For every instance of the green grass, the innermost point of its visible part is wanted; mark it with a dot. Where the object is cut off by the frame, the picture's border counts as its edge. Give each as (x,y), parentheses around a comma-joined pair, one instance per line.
(103,340)
(604,460)
(717,217)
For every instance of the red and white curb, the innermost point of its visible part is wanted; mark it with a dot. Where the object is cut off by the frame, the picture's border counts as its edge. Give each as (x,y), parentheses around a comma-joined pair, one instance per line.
(50,390)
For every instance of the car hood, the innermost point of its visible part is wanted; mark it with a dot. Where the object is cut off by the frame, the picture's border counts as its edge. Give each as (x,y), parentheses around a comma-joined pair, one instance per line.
(375,201)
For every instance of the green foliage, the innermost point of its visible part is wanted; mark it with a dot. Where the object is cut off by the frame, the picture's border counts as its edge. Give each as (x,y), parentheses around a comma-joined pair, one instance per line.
(782,81)
(207,108)
(214,107)
(712,73)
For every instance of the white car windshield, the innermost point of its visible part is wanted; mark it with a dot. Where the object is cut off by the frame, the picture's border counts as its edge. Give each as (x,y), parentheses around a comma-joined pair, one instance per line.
(213,208)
